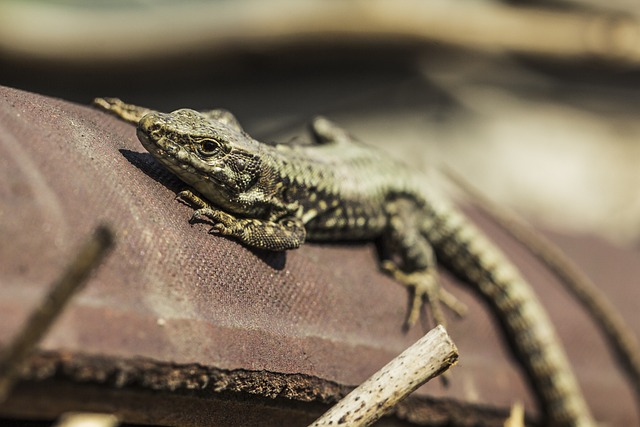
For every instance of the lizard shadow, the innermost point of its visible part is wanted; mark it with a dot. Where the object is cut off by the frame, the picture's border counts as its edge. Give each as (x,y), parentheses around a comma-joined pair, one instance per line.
(154,170)
(275,260)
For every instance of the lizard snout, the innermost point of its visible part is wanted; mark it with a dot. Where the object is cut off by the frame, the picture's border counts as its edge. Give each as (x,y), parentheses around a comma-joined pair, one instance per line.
(151,126)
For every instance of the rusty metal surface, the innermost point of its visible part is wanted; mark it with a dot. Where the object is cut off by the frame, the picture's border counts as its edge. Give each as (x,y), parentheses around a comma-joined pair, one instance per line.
(171,295)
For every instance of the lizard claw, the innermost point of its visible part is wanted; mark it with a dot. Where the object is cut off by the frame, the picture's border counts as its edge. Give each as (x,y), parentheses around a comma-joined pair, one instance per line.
(196,216)
(217,229)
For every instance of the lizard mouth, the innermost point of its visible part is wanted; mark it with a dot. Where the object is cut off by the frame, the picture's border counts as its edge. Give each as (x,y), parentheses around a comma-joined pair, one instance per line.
(146,140)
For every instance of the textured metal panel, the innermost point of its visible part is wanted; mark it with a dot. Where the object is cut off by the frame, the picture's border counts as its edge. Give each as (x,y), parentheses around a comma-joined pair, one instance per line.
(171,296)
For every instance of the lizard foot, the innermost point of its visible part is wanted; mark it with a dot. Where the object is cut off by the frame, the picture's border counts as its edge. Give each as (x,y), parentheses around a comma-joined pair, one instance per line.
(424,284)
(223,222)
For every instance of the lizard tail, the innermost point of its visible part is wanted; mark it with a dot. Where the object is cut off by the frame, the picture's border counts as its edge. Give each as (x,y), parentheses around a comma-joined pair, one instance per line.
(622,340)
(465,251)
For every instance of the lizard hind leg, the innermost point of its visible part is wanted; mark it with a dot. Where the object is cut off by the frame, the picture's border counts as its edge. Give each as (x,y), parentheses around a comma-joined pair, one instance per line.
(410,260)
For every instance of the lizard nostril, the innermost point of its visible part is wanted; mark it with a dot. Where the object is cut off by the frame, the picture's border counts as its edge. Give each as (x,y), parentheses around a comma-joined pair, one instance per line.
(240,165)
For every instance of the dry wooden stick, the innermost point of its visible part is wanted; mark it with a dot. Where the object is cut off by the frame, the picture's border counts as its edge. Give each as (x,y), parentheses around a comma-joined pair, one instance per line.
(430,356)
(41,319)
(622,341)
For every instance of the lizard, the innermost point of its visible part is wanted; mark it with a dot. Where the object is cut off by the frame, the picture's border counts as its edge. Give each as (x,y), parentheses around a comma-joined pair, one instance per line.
(277,196)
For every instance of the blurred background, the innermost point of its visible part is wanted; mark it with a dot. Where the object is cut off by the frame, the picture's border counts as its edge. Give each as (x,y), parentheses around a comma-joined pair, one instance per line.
(534,102)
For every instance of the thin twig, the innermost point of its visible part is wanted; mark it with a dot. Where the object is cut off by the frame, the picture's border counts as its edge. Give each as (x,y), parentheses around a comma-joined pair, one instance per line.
(81,419)
(41,319)
(430,356)
(619,335)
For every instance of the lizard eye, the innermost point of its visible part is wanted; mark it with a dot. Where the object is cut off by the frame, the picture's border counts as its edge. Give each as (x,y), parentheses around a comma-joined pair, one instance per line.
(208,147)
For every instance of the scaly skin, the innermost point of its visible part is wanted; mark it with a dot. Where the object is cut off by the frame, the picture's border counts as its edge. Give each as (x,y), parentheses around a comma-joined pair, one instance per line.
(277,196)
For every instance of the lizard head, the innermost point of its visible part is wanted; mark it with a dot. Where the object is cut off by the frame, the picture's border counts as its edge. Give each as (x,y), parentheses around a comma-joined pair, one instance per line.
(214,156)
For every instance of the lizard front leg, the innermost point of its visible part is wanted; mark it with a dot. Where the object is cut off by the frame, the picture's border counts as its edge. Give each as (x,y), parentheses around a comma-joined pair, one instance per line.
(127,112)
(133,113)
(410,259)
(284,233)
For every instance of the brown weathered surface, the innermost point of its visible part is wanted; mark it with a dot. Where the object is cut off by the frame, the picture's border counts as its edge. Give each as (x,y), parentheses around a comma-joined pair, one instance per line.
(204,320)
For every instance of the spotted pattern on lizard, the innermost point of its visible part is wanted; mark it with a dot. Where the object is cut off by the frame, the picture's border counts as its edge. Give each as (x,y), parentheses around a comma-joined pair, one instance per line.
(277,196)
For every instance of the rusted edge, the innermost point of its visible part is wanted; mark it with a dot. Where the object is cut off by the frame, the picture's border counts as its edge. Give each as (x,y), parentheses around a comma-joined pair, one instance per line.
(162,376)
(206,381)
